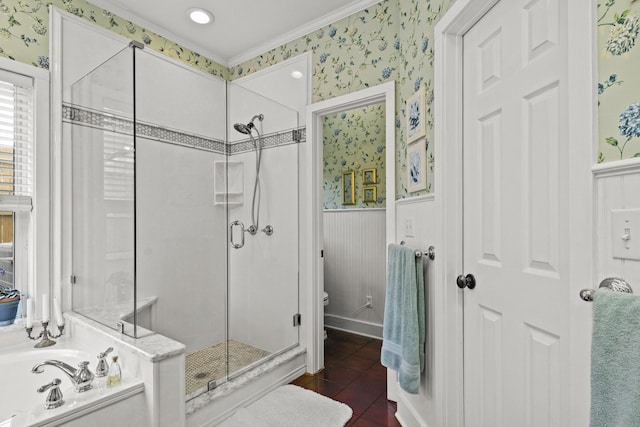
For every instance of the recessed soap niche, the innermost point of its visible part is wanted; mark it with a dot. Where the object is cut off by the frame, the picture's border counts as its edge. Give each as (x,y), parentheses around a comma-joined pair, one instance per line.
(231,194)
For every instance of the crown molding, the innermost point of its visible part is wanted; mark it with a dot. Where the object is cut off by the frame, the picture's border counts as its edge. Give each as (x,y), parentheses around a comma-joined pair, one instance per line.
(301,31)
(287,37)
(161,31)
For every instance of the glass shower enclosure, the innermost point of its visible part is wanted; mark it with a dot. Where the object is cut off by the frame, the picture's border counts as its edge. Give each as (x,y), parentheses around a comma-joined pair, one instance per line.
(158,178)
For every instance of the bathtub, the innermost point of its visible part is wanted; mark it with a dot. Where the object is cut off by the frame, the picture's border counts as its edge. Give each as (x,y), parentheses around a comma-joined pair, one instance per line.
(21,405)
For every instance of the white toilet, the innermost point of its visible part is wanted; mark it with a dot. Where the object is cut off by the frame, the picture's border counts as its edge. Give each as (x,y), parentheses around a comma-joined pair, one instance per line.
(326,303)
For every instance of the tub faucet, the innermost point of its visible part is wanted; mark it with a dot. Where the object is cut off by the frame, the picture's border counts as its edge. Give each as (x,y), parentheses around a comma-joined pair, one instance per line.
(80,377)
(102,369)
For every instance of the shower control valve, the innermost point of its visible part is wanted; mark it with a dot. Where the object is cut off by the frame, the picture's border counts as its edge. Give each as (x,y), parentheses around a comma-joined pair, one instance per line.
(268,230)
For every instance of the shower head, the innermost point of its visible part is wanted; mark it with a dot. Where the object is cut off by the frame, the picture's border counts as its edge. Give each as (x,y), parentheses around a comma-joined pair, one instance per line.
(242,128)
(246,129)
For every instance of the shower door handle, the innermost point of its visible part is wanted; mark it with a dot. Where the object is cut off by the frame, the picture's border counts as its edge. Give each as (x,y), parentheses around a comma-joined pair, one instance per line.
(241,225)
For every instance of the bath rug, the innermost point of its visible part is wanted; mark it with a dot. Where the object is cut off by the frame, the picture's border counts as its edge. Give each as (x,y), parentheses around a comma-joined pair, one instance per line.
(291,406)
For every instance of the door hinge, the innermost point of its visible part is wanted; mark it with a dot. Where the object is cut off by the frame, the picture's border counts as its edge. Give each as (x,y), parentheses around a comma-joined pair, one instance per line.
(73,279)
(297,319)
(296,135)
(212,384)
(322,253)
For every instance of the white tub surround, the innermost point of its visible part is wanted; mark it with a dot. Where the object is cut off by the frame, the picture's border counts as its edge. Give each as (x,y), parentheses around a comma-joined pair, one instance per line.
(24,406)
(147,363)
(154,359)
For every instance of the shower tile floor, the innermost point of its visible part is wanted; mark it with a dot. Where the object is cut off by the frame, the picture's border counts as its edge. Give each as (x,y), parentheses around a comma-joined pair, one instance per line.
(210,364)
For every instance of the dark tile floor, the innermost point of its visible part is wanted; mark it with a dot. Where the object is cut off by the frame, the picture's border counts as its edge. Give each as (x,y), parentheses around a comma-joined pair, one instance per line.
(353,375)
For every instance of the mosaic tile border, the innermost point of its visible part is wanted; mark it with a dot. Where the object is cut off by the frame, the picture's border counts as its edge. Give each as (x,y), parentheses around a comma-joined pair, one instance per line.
(278,139)
(99,120)
(110,122)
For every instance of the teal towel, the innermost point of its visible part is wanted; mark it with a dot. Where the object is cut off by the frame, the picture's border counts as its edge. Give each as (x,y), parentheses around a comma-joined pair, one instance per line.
(615,360)
(403,330)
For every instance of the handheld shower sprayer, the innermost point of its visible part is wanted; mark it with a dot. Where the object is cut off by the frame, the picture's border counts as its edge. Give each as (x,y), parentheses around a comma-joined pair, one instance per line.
(246,129)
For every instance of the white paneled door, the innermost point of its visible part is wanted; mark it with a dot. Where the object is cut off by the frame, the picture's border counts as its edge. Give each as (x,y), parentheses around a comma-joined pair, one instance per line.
(516,195)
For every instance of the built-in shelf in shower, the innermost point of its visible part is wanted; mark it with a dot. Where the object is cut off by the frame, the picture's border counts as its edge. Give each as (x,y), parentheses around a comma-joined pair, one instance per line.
(228,183)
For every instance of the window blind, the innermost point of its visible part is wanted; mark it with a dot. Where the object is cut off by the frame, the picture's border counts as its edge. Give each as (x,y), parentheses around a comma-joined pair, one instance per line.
(118,166)
(16,141)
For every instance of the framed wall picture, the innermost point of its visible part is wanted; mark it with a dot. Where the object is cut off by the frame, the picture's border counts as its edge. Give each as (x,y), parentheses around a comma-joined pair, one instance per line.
(417,167)
(369,176)
(369,195)
(348,188)
(415,112)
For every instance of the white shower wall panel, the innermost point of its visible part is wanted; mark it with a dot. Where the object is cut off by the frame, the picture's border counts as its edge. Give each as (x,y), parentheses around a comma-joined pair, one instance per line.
(179,98)
(102,225)
(84,49)
(244,104)
(181,242)
(263,275)
(276,82)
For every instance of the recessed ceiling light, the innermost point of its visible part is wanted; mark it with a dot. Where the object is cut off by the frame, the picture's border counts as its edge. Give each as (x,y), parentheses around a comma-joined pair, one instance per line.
(297,74)
(200,16)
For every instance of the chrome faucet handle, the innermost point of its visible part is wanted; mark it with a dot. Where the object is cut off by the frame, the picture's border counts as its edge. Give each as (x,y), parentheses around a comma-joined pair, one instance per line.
(102,369)
(83,377)
(54,398)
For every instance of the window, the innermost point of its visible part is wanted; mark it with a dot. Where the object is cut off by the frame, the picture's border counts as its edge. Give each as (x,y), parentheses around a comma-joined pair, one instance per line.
(16,178)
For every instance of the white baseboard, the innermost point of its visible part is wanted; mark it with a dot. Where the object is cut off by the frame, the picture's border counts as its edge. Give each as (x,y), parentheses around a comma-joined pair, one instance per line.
(407,416)
(368,329)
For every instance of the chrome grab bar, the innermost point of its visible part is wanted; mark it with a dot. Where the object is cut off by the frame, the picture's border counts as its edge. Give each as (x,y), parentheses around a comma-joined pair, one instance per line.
(235,245)
(614,284)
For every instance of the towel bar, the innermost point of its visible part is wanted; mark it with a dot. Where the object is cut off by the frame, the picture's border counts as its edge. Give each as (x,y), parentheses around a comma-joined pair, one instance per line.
(614,284)
(430,252)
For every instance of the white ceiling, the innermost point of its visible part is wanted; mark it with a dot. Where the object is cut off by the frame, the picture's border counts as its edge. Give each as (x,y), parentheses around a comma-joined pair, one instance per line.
(242,29)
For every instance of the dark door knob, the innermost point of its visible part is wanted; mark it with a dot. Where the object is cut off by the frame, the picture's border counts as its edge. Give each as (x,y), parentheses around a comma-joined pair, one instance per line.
(466,281)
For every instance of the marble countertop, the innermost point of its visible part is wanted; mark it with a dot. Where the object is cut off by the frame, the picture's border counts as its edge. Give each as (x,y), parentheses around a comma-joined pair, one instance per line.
(112,314)
(153,347)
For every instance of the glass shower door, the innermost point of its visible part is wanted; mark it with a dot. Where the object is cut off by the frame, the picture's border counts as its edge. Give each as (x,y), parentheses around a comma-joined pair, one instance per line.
(99,119)
(152,208)
(262,167)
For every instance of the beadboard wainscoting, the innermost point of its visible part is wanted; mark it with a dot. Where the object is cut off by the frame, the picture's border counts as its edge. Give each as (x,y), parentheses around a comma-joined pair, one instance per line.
(415,226)
(617,185)
(354,268)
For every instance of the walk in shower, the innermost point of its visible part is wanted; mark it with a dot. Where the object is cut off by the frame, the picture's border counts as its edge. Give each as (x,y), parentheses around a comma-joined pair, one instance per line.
(163,192)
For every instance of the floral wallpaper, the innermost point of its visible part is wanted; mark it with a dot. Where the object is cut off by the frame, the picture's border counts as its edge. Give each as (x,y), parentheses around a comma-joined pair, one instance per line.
(354,140)
(619,79)
(24,33)
(351,54)
(389,41)
(418,19)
